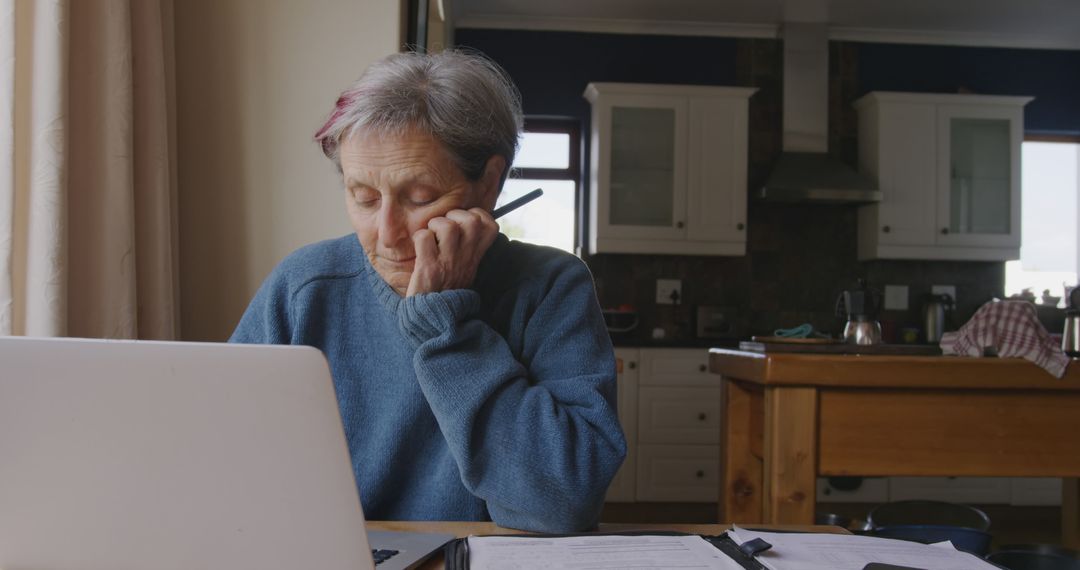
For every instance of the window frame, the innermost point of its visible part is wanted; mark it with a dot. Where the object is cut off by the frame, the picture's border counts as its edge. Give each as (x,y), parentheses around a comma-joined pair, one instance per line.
(572,172)
(1052,138)
(1048,138)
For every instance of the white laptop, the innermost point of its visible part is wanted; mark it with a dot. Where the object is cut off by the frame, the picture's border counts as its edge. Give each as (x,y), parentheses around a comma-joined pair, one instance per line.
(160,455)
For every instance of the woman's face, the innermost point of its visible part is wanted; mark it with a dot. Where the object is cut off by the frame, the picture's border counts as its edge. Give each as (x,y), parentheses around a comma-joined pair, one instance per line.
(394,185)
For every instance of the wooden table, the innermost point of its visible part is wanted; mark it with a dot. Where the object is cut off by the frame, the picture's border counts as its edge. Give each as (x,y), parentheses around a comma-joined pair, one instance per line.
(789,418)
(463,529)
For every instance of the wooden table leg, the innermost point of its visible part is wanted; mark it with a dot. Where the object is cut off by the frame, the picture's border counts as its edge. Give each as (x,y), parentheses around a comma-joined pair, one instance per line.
(1070,512)
(790,455)
(740,472)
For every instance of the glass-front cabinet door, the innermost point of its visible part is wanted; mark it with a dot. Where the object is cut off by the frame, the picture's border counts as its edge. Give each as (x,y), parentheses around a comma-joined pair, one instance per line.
(979,176)
(642,170)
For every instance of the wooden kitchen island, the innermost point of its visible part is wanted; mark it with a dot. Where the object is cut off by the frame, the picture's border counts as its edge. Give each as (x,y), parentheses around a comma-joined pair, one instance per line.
(789,418)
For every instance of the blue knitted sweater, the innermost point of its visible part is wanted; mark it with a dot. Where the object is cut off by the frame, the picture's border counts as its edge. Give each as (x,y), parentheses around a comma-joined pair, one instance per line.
(492,402)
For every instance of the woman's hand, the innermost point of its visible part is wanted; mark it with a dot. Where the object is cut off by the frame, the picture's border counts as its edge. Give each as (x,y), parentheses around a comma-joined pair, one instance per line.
(449,250)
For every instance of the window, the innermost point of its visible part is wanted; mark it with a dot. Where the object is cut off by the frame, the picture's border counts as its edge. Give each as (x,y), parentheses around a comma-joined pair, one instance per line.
(549,158)
(1050,215)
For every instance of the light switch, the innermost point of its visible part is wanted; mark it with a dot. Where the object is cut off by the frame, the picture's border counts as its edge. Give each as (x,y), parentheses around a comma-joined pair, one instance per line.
(949,290)
(896,297)
(668,291)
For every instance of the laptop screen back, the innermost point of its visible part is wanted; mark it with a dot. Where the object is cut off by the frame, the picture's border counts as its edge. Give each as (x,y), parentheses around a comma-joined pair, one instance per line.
(123,454)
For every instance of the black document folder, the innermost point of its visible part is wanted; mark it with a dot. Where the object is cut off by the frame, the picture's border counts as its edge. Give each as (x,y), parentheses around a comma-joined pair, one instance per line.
(456,552)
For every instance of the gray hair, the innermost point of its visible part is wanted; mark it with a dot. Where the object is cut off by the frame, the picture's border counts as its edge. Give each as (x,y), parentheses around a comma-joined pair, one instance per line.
(464,100)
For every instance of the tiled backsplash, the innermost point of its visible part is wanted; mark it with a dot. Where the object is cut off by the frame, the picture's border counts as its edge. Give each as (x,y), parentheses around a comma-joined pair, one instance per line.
(799,256)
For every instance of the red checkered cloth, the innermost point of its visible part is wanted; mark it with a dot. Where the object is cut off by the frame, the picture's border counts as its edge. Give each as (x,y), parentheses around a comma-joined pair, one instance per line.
(1013,330)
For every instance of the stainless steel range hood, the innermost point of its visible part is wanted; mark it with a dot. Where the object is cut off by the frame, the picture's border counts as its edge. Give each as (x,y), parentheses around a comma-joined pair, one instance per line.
(805,172)
(818,177)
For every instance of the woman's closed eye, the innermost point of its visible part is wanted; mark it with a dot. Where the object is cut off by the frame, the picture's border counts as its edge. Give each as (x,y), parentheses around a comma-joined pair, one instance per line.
(365,197)
(422,197)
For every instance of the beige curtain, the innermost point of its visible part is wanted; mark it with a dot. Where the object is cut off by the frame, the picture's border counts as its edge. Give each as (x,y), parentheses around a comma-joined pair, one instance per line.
(87,204)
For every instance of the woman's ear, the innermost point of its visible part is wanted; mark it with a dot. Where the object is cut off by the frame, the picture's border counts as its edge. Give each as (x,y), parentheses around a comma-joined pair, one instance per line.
(491,181)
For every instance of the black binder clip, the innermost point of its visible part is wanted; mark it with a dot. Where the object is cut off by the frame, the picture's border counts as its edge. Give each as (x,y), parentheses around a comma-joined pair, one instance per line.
(752,548)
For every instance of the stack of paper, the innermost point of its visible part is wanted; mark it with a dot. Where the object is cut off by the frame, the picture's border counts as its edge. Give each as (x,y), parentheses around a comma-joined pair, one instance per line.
(595,551)
(812,551)
(789,551)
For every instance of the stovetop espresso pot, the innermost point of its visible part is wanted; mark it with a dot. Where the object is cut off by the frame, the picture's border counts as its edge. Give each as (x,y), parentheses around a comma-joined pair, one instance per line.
(860,306)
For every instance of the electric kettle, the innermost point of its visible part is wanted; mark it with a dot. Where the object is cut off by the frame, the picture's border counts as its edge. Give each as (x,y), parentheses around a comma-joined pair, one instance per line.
(1070,337)
(860,306)
(934,313)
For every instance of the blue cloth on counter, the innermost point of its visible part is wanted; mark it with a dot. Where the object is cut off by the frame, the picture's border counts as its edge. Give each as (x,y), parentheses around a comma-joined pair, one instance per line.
(491,402)
(804,330)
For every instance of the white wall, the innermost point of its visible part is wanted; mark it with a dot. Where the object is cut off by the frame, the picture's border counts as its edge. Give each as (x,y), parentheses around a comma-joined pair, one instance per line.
(254,80)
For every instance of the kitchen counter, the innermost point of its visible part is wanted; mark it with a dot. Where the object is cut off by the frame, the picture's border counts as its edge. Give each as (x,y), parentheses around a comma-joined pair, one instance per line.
(705,343)
(790,418)
(862,371)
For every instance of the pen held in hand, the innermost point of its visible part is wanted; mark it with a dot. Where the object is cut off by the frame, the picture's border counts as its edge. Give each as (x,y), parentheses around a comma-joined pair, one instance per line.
(515,204)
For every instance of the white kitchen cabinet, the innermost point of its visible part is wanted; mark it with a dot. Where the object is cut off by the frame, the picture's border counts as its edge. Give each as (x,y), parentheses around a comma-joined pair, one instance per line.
(1018,491)
(678,431)
(678,414)
(965,490)
(668,169)
(676,367)
(1030,491)
(948,167)
(669,408)
(678,473)
(625,481)
(1022,491)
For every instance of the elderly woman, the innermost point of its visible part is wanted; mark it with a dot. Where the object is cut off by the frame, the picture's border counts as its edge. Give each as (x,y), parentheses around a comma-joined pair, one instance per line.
(474,374)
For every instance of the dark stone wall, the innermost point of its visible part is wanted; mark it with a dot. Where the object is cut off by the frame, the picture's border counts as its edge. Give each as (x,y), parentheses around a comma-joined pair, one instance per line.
(799,256)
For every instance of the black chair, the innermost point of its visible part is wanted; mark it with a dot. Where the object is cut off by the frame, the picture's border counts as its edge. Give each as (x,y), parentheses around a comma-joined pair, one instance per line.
(1035,557)
(1054,549)
(928,512)
(832,519)
(970,540)
(932,521)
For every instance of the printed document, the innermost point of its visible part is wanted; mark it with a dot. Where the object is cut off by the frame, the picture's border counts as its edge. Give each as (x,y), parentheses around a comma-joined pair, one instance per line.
(813,551)
(596,552)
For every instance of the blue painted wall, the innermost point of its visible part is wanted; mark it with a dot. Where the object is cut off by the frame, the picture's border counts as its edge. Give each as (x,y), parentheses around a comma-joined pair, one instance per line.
(1051,76)
(552,68)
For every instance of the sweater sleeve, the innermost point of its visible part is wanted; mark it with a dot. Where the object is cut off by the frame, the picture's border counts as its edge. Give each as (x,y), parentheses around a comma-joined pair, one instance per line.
(539,439)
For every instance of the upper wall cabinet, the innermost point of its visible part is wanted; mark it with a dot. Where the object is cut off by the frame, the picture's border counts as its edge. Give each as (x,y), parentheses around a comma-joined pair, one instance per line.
(949,171)
(668,169)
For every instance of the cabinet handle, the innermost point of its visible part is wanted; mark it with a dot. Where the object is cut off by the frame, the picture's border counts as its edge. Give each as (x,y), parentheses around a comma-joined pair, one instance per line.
(886,229)
(944,231)
(701,416)
(632,365)
(740,226)
(700,474)
(678,224)
(702,368)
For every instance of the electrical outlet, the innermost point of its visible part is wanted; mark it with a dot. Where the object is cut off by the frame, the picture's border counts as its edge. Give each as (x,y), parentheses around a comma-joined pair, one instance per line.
(666,289)
(949,290)
(896,297)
